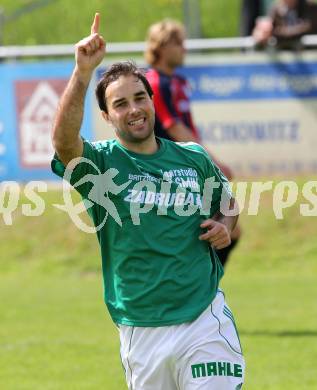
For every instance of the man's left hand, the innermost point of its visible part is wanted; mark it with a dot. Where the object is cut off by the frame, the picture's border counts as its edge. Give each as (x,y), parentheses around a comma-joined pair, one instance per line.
(217,234)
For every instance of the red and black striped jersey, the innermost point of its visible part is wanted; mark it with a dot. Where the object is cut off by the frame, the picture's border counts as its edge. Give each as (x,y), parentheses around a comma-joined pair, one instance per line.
(171,102)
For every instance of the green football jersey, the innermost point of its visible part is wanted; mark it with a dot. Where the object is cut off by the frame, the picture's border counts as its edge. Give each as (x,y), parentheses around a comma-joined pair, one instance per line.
(148,210)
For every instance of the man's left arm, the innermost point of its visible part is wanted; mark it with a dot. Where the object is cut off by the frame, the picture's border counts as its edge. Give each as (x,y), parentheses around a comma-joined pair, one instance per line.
(219,227)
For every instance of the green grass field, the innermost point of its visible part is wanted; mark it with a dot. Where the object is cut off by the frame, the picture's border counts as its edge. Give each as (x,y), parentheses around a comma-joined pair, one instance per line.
(55,332)
(65,21)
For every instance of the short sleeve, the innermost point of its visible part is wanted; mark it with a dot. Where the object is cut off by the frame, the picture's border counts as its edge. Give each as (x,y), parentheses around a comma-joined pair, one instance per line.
(86,167)
(221,193)
(216,185)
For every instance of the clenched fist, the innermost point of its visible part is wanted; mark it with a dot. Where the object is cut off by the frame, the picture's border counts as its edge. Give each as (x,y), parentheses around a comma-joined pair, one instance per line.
(217,234)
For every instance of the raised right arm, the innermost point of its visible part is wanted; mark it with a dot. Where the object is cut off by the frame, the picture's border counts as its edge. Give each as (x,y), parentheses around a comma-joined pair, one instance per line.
(66,129)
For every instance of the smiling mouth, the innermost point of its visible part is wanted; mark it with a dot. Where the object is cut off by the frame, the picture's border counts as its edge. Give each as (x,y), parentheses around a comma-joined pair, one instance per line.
(138,122)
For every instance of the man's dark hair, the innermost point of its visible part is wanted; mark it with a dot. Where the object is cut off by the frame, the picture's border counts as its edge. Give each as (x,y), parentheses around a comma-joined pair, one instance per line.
(112,74)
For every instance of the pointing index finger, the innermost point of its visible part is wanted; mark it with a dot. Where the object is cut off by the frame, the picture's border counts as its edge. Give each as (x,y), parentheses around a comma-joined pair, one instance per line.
(95,24)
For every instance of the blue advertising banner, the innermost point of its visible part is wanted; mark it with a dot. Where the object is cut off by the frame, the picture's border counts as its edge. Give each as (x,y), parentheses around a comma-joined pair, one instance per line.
(258,113)
(29,94)
(272,80)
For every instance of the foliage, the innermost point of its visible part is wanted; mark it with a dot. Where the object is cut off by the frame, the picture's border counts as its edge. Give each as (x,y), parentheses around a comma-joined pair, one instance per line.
(65,21)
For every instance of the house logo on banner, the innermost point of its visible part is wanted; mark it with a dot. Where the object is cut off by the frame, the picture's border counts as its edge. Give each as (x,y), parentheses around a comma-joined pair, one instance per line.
(37,102)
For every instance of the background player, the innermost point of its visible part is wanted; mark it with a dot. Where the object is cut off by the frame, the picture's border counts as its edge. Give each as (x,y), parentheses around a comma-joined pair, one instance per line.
(173,120)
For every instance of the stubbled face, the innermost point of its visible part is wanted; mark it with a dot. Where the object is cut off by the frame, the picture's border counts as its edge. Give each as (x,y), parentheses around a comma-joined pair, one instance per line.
(130,110)
(173,52)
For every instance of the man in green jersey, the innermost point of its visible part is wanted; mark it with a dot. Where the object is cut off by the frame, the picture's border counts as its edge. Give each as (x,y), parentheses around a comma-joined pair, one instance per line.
(158,206)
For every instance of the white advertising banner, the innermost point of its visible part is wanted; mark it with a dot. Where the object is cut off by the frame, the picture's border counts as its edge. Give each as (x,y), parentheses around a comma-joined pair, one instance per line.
(272,137)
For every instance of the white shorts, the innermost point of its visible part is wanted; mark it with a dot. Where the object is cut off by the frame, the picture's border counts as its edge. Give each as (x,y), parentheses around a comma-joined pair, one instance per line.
(199,355)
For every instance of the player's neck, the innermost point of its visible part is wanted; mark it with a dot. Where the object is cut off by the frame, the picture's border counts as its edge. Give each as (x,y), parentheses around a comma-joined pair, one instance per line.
(147,146)
(164,68)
